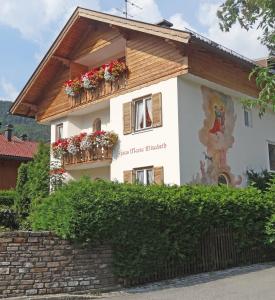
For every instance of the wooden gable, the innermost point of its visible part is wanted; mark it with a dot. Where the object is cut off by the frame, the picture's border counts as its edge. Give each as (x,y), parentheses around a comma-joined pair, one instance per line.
(152,54)
(149,59)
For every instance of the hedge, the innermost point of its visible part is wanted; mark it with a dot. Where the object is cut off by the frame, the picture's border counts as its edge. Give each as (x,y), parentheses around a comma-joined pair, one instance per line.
(7,213)
(147,225)
(7,197)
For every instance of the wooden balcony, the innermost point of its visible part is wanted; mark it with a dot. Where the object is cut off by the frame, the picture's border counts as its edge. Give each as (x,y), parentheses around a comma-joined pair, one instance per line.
(103,90)
(94,157)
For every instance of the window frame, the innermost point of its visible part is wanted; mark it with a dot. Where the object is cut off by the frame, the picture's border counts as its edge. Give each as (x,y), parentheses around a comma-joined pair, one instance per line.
(145,175)
(249,118)
(135,101)
(96,120)
(268,157)
(57,127)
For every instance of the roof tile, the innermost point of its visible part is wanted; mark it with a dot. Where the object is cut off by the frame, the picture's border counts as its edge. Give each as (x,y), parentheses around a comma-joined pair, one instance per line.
(17,147)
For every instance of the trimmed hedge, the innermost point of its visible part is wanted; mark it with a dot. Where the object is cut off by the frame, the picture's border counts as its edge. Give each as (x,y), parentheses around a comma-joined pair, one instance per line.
(147,225)
(7,213)
(8,197)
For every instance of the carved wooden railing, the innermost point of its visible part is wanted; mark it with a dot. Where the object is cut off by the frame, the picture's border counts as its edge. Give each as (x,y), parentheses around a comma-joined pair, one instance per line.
(92,155)
(104,89)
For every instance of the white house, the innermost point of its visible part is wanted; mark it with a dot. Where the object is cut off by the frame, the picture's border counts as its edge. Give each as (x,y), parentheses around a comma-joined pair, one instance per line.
(176,109)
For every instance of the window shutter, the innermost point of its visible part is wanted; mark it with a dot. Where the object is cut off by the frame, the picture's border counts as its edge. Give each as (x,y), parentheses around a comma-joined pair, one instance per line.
(158,175)
(157,109)
(127,117)
(129,176)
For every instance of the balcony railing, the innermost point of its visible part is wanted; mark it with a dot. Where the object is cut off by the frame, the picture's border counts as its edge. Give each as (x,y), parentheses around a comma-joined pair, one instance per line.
(104,89)
(93,155)
(85,148)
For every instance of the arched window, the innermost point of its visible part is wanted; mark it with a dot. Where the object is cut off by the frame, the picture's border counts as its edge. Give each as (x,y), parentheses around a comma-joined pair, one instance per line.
(223,179)
(97,124)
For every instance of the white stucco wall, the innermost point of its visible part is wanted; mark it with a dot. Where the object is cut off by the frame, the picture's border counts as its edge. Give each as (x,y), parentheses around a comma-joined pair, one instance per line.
(249,150)
(73,125)
(125,158)
(175,145)
(94,173)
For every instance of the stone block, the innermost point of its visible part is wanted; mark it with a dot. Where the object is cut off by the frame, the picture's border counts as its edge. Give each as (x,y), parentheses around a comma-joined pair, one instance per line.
(4,271)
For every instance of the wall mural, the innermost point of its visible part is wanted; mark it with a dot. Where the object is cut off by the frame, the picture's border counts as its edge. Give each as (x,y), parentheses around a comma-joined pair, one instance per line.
(217,136)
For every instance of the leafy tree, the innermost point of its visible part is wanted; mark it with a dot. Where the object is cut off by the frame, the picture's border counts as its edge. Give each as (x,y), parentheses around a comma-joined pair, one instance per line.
(39,174)
(22,202)
(261,180)
(250,13)
(33,184)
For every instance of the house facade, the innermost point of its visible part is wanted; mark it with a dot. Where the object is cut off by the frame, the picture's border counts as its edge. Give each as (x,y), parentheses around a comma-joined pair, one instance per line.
(150,104)
(13,152)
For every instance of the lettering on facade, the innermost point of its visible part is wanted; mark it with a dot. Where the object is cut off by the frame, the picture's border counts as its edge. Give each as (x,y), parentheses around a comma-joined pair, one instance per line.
(147,148)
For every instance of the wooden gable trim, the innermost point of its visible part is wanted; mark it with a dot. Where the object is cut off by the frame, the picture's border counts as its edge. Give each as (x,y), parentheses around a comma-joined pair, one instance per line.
(45,60)
(172,34)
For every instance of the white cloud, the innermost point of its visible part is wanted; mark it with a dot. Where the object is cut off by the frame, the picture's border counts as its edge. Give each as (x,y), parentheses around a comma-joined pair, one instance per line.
(36,20)
(7,90)
(179,22)
(237,39)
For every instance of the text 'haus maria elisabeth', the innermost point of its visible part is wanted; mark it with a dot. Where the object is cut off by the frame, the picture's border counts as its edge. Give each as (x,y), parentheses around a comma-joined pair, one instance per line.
(132,101)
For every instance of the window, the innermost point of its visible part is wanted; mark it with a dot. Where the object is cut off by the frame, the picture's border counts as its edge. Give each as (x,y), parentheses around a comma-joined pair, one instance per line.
(271,156)
(145,176)
(247,118)
(59,131)
(143,113)
(97,125)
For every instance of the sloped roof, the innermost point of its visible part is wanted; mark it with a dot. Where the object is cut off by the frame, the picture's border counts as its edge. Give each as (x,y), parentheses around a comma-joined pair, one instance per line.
(17,148)
(77,24)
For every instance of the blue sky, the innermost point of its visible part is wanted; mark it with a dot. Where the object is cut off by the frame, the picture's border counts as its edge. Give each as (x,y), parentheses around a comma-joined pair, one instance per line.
(28,27)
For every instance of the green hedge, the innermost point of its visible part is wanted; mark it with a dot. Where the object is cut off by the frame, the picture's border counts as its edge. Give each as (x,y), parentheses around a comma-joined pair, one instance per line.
(7,197)
(146,225)
(8,218)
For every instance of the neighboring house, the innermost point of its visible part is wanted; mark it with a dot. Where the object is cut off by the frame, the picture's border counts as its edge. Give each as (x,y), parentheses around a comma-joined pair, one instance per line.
(177,110)
(13,152)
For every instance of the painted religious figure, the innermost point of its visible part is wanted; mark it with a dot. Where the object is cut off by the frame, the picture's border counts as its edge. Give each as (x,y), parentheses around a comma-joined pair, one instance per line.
(217,136)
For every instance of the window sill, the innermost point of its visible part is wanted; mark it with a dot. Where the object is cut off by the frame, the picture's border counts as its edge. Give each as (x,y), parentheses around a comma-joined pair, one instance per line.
(143,130)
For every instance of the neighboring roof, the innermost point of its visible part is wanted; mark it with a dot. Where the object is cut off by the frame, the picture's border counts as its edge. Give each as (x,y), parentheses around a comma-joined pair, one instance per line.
(49,62)
(17,148)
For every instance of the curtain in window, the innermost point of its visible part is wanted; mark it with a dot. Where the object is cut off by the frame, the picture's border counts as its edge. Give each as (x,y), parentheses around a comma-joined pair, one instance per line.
(59,131)
(150,178)
(140,177)
(148,112)
(139,115)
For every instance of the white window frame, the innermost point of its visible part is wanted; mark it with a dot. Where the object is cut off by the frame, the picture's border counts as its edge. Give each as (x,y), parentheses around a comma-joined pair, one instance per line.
(268,158)
(249,118)
(57,126)
(145,178)
(143,100)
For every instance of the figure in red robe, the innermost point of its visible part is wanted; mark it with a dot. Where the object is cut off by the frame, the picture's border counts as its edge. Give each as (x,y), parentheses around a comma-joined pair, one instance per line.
(217,126)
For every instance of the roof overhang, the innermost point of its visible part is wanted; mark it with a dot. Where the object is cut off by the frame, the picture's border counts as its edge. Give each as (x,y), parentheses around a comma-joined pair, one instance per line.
(81,13)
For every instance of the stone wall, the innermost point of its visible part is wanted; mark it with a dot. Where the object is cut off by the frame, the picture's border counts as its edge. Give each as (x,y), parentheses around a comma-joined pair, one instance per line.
(37,263)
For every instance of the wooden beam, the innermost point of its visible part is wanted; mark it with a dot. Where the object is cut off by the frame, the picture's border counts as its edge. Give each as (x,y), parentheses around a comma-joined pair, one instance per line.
(65,61)
(30,106)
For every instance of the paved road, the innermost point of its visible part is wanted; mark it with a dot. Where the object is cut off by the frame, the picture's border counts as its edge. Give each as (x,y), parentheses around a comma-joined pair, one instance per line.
(255,282)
